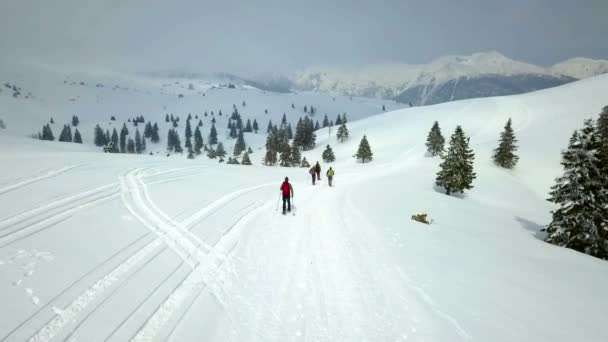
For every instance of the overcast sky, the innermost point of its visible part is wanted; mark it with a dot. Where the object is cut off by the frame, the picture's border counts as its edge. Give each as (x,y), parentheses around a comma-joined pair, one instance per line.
(251,36)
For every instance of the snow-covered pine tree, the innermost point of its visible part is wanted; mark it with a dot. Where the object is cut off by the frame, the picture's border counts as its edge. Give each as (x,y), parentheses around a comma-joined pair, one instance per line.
(289,132)
(581,220)
(211,153)
(130,146)
(177,144)
(188,145)
(602,130)
(296,157)
(240,145)
(344,118)
(200,123)
(246,160)
(114,141)
(269,126)
(75,121)
(143,144)
(124,132)
(198,141)
(338,120)
(248,128)
(342,132)
(435,140)
(77,137)
(271,153)
(138,145)
(170,140)
(212,135)
(220,151)
(99,138)
(256,127)
(107,137)
(148,130)
(284,120)
(285,156)
(504,155)
(167,118)
(365,151)
(188,131)
(328,155)
(154,137)
(317,125)
(305,109)
(456,174)
(325,121)
(52,121)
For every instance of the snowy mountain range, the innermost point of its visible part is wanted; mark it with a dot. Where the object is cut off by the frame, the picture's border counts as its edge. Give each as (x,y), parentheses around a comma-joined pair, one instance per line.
(446,79)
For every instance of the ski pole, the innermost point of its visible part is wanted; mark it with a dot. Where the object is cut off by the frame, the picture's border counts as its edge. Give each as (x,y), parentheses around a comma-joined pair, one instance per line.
(278,200)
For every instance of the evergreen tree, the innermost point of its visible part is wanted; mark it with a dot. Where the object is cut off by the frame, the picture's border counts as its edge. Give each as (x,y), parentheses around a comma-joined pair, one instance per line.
(328,155)
(338,120)
(107,137)
(284,120)
(233,132)
(293,106)
(220,151)
(75,121)
(296,157)
(177,144)
(200,123)
(285,156)
(130,146)
(456,174)
(52,121)
(383,108)
(602,131)
(504,155)
(317,126)
(138,145)
(99,138)
(47,133)
(289,132)
(229,123)
(175,124)
(112,118)
(212,135)
(269,126)
(188,145)
(66,134)
(249,150)
(265,111)
(580,222)
(305,109)
(435,141)
(148,130)
(188,132)
(154,137)
(325,121)
(114,141)
(244,104)
(211,153)
(143,144)
(248,127)
(170,140)
(342,133)
(344,118)
(240,145)
(198,141)
(124,132)
(213,121)
(77,137)
(271,151)
(246,160)
(167,118)
(189,117)
(364,152)
(256,127)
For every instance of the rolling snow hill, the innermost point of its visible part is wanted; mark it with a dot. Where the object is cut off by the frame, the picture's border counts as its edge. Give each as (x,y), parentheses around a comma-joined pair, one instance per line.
(105,247)
(447,78)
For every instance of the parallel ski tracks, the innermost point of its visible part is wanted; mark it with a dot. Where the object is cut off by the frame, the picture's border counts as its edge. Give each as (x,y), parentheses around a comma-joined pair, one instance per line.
(178,237)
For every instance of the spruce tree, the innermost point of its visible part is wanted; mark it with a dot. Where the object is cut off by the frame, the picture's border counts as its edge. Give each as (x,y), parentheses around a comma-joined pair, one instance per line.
(338,120)
(212,135)
(504,155)
(143,144)
(211,153)
(75,121)
(114,141)
(325,121)
(220,151)
(170,140)
(167,118)
(305,109)
(328,155)
(271,152)
(269,126)
(289,132)
(342,133)
(249,150)
(107,137)
(188,132)
(580,222)
(124,132)
(52,121)
(248,128)
(246,160)
(198,141)
(233,132)
(154,137)
(99,138)
(383,108)
(364,152)
(177,144)
(344,121)
(188,145)
(130,146)
(256,127)
(317,126)
(296,157)
(456,174)
(148,130)
(200,123)
(602,131)
(435,141)
(284,120)
(138,146)
(285,156)
(77,137)
(240,145)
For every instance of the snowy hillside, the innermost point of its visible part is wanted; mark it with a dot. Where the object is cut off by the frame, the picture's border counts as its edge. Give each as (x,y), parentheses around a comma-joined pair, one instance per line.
(419,84)
(117,247)
(97,96)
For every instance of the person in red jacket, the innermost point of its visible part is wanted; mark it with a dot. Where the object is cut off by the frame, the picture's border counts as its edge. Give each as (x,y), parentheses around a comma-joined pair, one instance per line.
(287,191)
(318,171)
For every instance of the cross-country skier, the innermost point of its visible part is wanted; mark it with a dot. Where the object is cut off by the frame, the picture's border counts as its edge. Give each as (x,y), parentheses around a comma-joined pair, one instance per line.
(287,191)
(330,175)
(318,171)
(312,174)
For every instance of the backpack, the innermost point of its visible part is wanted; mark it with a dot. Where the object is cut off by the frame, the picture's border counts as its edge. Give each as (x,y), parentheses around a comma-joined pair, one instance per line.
(330,173)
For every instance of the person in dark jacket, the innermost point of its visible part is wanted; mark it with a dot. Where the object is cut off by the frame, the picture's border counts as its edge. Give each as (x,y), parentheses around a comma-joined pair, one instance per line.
(287,191)
(312,174)
(318,171)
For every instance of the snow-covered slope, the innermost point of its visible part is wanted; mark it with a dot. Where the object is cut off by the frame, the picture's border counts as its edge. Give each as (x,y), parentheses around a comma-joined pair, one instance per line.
(581,68)
(100,247)
(417,83)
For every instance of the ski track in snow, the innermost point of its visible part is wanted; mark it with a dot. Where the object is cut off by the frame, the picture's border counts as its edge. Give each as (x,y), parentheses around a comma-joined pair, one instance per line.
(136,198)
(48,174)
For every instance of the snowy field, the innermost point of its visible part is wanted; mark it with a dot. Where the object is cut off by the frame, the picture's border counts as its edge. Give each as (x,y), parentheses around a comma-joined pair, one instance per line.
(104,247)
